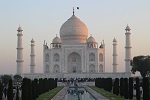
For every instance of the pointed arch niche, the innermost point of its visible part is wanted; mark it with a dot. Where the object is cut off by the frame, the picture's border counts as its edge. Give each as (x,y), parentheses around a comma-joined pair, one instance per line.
(101,57)
(47,69)
(74,63)
(91,57)
(56,69)
(47,58)
(56,57)
(100,68)
(92,68)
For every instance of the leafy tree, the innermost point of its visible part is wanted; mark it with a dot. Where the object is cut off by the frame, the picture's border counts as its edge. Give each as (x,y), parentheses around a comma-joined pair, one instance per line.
(5,79)
(17,77)
(141,64)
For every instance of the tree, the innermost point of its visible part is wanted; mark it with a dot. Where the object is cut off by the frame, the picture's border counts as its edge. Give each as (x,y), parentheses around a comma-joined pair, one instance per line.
(146,90)
(5,79)
(121,87)
(10,90)
(1,91)
(137,89)
(17,77)
(141,64)
(125,88)
(25,89)
(130,88)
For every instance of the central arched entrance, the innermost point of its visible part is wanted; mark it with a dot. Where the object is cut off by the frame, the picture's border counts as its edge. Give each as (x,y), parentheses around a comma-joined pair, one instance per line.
(74,63)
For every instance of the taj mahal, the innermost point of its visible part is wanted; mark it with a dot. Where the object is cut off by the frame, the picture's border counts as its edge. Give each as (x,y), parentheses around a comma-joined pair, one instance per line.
(73,54)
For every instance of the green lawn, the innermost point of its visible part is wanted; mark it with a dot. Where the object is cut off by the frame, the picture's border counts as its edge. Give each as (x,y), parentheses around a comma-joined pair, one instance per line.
(49,95)
(107,94)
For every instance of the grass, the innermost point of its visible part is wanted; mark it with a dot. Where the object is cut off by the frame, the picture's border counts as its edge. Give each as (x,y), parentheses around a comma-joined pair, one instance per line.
(49,95)
(107,94)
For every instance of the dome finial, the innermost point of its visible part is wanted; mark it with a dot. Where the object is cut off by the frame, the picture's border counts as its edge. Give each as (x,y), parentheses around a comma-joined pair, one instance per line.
(73,10)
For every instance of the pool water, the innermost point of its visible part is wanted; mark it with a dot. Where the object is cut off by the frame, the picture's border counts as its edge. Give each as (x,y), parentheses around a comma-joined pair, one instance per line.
(75,93)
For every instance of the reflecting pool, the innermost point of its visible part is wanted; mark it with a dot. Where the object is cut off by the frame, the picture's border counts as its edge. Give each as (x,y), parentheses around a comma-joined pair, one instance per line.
(77,93)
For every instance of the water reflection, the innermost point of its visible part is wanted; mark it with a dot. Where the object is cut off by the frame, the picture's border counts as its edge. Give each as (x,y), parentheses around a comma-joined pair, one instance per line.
(76,93)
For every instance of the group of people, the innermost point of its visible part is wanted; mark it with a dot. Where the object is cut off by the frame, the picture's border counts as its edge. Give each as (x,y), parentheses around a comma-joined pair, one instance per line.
(5,92)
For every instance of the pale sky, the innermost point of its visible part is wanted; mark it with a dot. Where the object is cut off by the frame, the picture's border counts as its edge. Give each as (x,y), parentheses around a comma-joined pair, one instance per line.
(42,19)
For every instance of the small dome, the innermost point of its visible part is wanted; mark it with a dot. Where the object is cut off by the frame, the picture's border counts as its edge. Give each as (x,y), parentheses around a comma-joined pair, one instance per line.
(19,29)
(127,28)
(73,31)
(56,40)
(32,41)
(91,40)
(114,40)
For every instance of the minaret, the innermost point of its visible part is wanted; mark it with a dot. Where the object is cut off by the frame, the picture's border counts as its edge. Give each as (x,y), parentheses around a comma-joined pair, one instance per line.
(115,55)
(128,50)
(19,52)
(32,58)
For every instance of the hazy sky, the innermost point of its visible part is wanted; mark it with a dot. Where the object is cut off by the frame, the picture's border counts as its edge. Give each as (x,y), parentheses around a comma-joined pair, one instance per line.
(42,19)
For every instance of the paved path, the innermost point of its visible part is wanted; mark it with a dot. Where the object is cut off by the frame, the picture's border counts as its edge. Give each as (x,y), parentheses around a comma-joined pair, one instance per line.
(60,95)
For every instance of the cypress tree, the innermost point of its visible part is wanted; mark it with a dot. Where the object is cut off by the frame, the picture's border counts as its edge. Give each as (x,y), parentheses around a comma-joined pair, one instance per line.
(146,90)
(130,88)
(33,90)
(121,87)
(125,88)
(56,79)
(109,84)
(96,82)
(10,90)
(116,86)
(137,89)
(1,91)
(36,86)
(29,90)
(25,89)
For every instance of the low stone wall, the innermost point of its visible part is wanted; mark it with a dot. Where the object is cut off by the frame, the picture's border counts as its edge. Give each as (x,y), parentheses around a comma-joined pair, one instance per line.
(77,75)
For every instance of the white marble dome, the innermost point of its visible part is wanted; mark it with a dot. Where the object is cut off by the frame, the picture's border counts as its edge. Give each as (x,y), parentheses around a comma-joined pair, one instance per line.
(73,31)
(56,40)
(91,40)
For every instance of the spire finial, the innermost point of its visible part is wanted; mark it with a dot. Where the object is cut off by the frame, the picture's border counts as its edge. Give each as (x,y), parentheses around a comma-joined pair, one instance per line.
(73,10)
(56,35)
